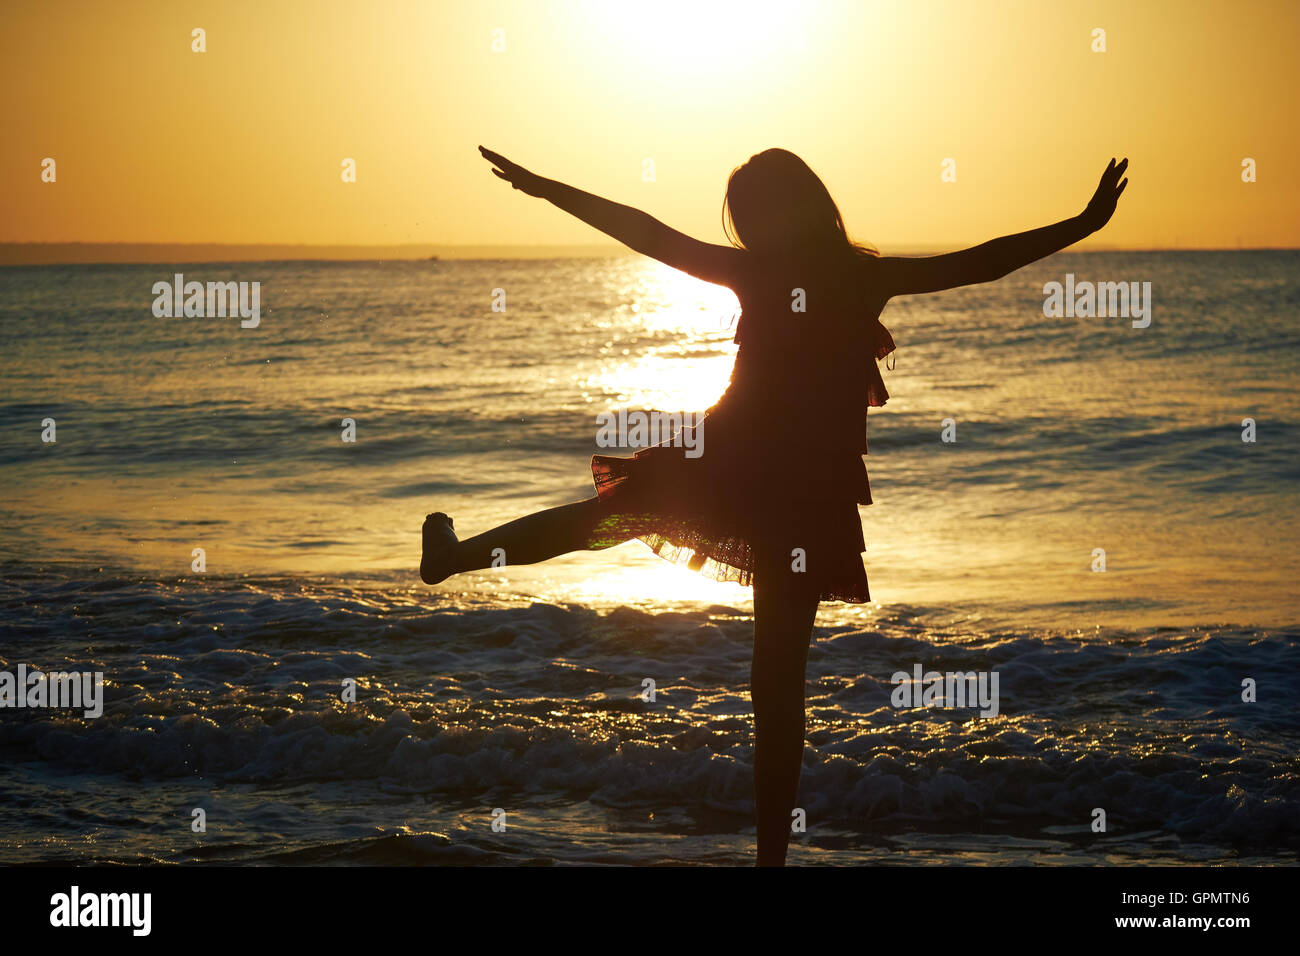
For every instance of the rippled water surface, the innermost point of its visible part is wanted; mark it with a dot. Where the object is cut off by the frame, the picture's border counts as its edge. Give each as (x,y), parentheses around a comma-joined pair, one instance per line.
(519,689)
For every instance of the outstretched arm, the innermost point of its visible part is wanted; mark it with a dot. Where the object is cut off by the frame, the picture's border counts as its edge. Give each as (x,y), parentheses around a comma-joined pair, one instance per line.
(998,257)
(637,230)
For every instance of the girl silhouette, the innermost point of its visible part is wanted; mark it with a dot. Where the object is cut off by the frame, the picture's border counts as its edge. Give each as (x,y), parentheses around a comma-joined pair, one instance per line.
(773,500)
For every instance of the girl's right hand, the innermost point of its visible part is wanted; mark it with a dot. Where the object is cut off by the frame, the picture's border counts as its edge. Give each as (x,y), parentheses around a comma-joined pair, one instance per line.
(1102,205)
(514,174)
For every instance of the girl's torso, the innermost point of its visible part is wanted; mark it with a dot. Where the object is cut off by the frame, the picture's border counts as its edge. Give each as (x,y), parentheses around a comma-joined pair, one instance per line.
(805,372)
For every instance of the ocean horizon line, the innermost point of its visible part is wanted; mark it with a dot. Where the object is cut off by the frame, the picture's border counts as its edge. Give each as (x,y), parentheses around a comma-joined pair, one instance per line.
(152,253)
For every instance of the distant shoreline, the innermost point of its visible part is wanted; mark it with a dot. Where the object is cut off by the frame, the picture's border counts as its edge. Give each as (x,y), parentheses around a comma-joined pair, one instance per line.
(110,253)
(145,253)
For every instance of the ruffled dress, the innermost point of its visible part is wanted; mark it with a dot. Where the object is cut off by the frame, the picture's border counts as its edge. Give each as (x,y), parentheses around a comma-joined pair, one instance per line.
(781,467)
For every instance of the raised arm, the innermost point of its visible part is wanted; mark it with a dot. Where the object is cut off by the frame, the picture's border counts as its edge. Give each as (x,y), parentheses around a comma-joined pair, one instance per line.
(998,257)
(637,230)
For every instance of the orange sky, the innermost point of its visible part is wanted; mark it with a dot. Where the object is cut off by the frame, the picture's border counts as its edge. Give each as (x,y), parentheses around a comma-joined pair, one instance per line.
(243,143)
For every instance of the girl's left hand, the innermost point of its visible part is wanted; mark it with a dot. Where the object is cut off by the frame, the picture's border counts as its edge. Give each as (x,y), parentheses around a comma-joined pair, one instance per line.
(514,174)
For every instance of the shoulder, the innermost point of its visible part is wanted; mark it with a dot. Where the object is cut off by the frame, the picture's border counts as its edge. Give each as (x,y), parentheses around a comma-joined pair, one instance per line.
(876,275)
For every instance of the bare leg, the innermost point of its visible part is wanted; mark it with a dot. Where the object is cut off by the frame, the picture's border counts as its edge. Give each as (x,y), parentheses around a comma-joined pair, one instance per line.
(785,605)
(581,526)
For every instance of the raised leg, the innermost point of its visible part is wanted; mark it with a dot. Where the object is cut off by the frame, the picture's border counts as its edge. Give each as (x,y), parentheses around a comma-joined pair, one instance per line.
(581,526)
(785,606)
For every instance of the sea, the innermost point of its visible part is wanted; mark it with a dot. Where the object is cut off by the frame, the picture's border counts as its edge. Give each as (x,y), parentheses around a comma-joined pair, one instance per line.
(224,522)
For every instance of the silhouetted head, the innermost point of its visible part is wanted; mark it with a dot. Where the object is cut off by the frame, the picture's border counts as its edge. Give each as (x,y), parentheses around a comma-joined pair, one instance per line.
(776,204)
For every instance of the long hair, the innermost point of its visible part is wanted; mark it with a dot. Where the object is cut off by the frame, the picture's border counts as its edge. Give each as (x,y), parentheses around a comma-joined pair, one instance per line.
(776,204)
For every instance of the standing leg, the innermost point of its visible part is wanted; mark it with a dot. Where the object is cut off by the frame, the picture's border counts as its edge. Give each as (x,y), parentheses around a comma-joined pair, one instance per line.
(785,605)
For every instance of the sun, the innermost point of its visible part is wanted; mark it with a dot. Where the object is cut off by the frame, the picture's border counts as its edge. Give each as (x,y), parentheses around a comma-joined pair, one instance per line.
(692,39)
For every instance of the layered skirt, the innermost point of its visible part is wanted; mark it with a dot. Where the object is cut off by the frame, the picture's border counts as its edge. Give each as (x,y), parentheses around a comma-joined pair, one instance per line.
(740,503)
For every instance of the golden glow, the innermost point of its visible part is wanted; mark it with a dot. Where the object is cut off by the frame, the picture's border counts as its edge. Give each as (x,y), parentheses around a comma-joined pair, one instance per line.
(676,302)
(647,579)
(666,383)
(681,377)
(243,143)
(688,40)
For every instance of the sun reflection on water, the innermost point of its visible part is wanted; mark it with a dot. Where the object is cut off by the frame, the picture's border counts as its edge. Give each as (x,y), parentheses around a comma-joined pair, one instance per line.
(690,373)
(656,583)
